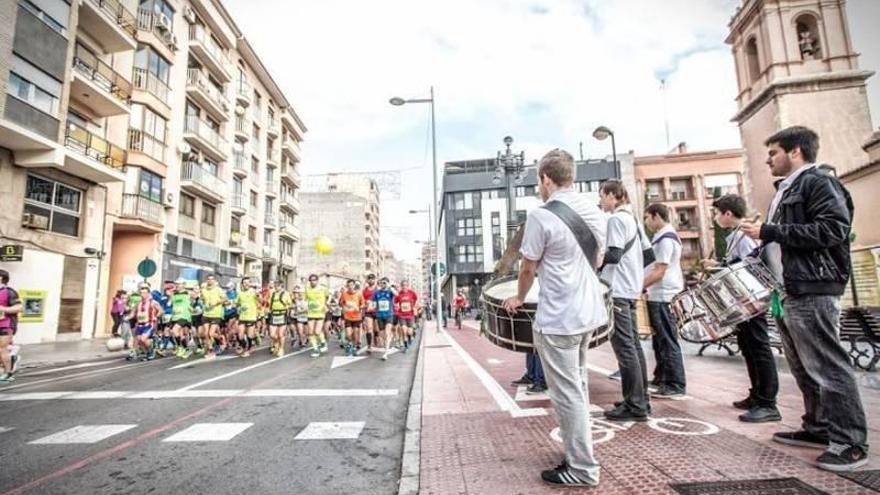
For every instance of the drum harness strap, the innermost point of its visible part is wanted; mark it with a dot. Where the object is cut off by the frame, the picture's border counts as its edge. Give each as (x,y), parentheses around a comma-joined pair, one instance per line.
(578,227)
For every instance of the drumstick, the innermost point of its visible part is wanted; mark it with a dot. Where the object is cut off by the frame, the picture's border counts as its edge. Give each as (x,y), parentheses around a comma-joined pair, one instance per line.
(754,218)
(505,264)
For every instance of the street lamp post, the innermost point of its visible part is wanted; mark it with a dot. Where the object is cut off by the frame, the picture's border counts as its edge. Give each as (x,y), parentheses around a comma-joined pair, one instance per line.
(510,167)
(398,101)
(601,133)
(430,223)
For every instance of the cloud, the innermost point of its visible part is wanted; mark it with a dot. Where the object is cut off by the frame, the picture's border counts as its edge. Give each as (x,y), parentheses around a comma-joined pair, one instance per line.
(545,72)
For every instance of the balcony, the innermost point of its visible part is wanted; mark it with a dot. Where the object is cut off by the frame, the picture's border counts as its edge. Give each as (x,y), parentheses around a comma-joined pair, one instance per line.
(291,147)
(272,157)
(208,232)
(242,128)
(250,249)
(238,204)
(144,143)
(290,174)
(681,196)
(209,52)
(145,80)
(240,163)
(290,231)
(208,96)
(162,27)
(272,187)
(290,202)
(110,23)
(288,261)
(96,85)
(203,135)
(272,128)
(269,221)
(198,180)
(186,224)
(270,253)
(243,93)
(93,157)
(236,244)
(141,209)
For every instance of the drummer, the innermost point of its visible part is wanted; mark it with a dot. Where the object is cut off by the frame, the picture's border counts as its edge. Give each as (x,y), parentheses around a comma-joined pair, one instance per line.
(751,335)
(623,271)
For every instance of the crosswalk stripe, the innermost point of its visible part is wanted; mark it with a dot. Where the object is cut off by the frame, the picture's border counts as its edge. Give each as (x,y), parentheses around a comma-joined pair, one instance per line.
(209,432)
(83,434)
(4,429)
(349,430)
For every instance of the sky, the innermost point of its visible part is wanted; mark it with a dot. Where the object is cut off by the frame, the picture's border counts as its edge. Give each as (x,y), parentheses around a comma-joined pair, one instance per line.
(546,72)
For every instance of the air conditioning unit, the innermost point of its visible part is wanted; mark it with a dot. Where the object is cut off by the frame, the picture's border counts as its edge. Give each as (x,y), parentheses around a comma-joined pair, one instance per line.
(163,23)
(189,14)
(169,200)
(34,221)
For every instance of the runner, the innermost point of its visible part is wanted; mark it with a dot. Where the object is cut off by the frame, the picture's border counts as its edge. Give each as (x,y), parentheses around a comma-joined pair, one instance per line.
(407,300)
(198,326)
(279,303)
(214,298)
(460,305)
(230,329)
(10,307)
(248,314)
(181,318)
(316,299)
(384,299)
(370,311)
(300,318)
(352,302)
(146,315)
(133,300)
(334,318)
(162,332)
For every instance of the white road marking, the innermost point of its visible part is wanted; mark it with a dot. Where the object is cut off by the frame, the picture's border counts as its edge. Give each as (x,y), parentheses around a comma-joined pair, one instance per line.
(83,434)
(342,361)
(331,431)
(68,368)
(4,429)
(522,396)
(201,394)
(494,361)
(198,361)
(599,369)
(79,375)
(242,370)
(209,432)
(502,398)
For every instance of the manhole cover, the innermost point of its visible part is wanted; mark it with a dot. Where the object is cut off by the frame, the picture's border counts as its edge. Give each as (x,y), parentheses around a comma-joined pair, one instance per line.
(776,486)
(868,479)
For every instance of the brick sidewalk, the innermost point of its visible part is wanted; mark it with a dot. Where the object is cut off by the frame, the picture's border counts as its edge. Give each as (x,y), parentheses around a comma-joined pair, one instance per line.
(477,439)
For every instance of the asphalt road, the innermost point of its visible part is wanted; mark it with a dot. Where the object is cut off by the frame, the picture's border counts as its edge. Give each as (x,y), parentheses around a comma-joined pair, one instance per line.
(255,425)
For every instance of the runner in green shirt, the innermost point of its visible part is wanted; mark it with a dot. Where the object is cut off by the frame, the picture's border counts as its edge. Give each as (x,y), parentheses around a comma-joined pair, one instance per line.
(214,297)
(181,318)
(248,314)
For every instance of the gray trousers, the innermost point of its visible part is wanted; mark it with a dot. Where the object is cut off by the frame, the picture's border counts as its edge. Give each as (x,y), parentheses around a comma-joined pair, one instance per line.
(630,356)
(565,359)
(810,331)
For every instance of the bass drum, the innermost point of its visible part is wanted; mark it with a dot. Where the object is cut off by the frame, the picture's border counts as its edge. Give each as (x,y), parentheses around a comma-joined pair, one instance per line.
(513,331)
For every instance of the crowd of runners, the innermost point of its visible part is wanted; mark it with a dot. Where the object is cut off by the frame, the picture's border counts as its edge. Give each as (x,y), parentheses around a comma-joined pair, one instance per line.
(188,320)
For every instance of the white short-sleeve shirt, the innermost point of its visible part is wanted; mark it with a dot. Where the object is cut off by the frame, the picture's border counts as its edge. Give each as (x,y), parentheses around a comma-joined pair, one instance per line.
(627,276)
(739,245)
(570,299)
(666,251)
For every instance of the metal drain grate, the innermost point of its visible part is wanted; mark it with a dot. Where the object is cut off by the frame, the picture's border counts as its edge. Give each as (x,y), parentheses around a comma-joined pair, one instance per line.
(775,486)
(868,479)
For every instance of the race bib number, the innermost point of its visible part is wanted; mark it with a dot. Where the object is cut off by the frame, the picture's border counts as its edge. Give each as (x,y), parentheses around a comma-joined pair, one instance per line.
(406,306)
(279,319)
(384,305)
(351,305)
(371,305)
(314,306)
(142,318)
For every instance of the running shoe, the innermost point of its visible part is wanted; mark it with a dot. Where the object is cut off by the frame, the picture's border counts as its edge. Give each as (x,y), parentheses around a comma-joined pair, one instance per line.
(385,356)
(323,348)
(7,378)
(16,362)
(210,356)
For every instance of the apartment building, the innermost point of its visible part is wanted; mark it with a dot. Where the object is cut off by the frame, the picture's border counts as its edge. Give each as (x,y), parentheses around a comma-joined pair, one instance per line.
(688,182)
(133,130)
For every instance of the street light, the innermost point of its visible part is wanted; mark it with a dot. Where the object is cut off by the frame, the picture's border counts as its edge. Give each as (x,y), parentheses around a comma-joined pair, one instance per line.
(506,165)
(601,133)
(398,101)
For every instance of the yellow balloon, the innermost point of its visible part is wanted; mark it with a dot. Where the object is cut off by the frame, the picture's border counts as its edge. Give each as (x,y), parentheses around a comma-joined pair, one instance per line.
(323,245)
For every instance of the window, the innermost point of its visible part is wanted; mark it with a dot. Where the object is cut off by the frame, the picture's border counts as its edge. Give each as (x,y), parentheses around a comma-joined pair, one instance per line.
(254,200)
(159,7)
(496,223)
(150,186)
(252,233)
(41,15)
(255,132)
(235,224)
(521,216)
(654,191)
(31,94)
(187,206)
(752,58)
(523,191)
(470,254)
(469,226)
(271,115)
(210,166)
(680,189)
(267,238)
(237,186)
(147,59)
(60,202)
(255,165)
(687,219)
(490,194)
(208,213)
(462,201)
(151,130)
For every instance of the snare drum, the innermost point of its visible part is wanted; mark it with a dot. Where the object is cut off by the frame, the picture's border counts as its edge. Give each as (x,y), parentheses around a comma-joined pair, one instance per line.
(513,331)
(696,323)
(738,292)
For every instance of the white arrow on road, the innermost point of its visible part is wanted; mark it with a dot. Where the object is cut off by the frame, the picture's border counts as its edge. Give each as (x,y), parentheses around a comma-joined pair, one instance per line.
(342,361)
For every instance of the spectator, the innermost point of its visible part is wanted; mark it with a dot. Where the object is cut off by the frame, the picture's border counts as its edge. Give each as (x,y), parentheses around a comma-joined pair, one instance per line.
(119,310)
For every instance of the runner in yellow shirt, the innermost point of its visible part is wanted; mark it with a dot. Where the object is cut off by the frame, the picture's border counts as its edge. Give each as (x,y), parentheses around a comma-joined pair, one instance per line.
(279,304)
(316,298)
(248,314)
(214,297)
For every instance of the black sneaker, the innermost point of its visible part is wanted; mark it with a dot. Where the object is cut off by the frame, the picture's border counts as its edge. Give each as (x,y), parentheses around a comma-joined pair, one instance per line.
(744,404)
(623,413)
(668,393)
(761,415)
(614,376)
(536,389)
(801,439)
(620,403)
(522,381)
(561,476)
(842,458)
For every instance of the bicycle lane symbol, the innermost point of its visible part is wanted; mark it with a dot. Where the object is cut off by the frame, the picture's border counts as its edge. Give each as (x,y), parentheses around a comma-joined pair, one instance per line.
(604,430)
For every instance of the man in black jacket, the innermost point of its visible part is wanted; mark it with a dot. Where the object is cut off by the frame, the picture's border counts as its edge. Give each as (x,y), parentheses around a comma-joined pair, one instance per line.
(807,236)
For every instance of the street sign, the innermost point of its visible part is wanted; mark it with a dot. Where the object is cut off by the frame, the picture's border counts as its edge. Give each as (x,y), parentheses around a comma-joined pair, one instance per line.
(147,268)
(442,268)
(11,252)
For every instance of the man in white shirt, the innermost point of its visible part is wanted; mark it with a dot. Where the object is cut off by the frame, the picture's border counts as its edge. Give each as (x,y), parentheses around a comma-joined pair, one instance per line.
(751,335)
(623,270)
(570,308)
(663,282)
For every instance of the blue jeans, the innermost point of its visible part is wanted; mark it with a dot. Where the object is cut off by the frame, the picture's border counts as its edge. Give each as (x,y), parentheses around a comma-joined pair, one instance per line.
(669,371)
(534,369)
(810,331)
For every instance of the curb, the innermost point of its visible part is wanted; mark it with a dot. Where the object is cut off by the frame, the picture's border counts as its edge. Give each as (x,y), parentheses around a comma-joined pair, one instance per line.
(412,437)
